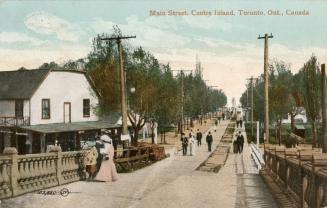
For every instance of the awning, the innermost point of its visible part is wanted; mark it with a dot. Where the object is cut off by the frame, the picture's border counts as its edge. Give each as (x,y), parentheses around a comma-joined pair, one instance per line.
(69,127)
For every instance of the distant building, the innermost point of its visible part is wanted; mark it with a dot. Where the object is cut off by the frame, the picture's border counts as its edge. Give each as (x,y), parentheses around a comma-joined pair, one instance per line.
(39,107)
(301,117)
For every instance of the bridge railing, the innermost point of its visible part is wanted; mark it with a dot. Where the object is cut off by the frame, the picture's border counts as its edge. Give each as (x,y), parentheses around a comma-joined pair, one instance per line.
(302,173)
(21,174)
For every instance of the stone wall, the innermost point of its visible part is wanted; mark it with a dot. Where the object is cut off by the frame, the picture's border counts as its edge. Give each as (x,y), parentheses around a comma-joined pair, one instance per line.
(301,172)
(21,174)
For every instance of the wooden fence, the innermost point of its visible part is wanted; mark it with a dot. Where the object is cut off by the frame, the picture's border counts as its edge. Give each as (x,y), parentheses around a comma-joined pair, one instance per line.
(302,172)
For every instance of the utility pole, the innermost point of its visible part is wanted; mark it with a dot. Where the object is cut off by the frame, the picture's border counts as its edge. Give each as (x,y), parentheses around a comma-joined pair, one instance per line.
(122,79)
(324,104)
(266,75)
(182,97)
(252,105)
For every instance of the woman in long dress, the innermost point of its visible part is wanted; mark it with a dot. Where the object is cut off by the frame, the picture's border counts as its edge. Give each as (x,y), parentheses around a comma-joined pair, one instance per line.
(107,170)
(192,145)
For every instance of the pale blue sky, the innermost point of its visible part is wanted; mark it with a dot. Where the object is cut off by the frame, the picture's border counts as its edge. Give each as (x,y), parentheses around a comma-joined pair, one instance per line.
(33,32)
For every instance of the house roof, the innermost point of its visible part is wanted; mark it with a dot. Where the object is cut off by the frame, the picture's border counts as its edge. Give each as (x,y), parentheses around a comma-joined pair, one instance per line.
(22,83)
(69,127)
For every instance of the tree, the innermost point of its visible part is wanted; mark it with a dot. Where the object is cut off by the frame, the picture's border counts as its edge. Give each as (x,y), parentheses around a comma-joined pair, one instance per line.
(102,67)
(51,65)
(311,94)
(280,97)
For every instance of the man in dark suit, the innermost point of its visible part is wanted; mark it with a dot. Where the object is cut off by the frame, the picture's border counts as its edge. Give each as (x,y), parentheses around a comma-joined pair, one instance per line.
(209,141)
(184,141)
(240,141)
(199,137)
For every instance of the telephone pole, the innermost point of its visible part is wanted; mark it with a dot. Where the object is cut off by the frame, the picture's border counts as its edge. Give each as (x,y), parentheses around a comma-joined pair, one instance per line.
(266,75)
(122,79)
(323,107)
(182,97)
(252,105)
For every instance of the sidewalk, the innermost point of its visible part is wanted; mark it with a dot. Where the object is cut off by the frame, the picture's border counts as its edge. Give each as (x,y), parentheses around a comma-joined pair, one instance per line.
(251,189)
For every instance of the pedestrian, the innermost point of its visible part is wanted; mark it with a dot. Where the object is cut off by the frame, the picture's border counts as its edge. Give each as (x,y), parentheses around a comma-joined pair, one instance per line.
(155,131)
(99,145)
(223,115)
(219,116)
(239,119)
(240,141)
(107,170)
(184,141)
(90,160)
(145,131)
(191,133)
(192,145)
(209,141)
(235,144)
(199,137)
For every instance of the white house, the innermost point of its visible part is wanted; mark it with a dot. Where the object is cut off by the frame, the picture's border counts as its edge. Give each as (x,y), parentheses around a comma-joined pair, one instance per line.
(38,107)
(301,117)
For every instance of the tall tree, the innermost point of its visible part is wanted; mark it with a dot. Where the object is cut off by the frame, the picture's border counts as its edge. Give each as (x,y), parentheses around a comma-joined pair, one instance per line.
(311,94)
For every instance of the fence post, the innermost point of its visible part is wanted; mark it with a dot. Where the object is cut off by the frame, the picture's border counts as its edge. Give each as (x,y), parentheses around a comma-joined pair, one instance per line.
(57,150)
(12,153)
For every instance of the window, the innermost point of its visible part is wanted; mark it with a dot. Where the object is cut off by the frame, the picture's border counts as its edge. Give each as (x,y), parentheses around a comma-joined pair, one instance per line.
(19,108)
(86,107)
(45,108)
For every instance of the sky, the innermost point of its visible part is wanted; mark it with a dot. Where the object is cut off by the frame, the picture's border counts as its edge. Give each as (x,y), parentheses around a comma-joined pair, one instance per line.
(34,32)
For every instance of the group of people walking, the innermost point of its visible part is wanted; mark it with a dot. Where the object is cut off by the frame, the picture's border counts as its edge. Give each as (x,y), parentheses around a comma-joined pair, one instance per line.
(238,142)
(190,141)
(99,160)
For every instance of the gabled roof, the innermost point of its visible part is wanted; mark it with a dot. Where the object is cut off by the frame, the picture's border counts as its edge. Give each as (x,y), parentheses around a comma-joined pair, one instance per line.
(22,83)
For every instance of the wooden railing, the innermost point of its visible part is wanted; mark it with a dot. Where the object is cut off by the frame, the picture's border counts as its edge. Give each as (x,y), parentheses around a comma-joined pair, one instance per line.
(14,121)
(301,172)
(21,174)
(136,157)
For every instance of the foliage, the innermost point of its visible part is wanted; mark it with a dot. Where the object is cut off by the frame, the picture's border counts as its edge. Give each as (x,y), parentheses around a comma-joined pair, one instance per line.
(157,93)
(287,92)
(311,94)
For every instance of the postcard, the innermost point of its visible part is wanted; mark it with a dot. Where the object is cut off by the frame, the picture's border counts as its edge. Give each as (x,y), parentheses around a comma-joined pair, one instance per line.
(163,103)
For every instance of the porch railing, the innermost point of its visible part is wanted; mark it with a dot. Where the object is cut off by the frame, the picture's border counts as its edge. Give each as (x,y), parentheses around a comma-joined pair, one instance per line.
(14,121)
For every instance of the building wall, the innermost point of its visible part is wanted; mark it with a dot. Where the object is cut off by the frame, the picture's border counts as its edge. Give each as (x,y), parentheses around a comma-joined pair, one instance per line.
(61,87)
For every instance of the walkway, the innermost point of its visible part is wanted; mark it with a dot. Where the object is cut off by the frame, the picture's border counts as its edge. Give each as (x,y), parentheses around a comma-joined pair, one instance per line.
(173,182)
(251,189)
